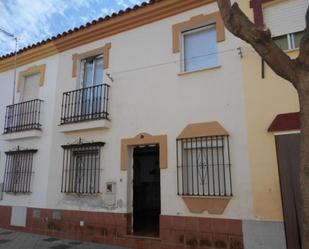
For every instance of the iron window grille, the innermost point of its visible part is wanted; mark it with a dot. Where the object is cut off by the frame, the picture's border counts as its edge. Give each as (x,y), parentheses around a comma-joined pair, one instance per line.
(203,166)
(23,116)
(85,104)
(81,168)
(18,171)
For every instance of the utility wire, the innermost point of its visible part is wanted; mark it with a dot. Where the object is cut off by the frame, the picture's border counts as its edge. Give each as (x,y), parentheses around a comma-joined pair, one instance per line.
(180,60)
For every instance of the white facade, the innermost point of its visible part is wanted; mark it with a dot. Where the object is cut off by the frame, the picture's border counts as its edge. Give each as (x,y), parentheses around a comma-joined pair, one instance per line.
(148,94)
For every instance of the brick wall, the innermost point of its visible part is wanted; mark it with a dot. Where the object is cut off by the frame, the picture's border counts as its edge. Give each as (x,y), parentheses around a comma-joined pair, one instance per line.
(5,216)
(197,232)
(113,228)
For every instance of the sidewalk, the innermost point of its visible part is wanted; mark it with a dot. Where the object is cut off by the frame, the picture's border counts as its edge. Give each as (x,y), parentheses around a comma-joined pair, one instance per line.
(19,240)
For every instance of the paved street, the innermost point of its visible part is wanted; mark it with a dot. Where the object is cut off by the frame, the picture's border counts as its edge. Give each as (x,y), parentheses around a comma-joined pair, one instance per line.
(18,240)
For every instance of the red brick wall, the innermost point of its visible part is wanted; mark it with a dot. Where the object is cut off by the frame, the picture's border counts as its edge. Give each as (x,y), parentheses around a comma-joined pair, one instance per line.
(5,216)
(113,228)
(98,226)
(197,232)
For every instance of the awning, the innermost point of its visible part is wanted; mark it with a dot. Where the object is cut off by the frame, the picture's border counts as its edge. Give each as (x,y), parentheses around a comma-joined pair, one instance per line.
(285,122)
(207,129)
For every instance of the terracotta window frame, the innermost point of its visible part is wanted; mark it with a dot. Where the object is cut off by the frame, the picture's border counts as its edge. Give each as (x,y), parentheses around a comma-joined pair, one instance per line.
(36,69)
(198,22)
(205,29)
(76,58)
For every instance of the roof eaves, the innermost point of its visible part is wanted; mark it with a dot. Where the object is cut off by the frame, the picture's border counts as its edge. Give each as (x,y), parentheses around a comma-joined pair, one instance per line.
(77,29)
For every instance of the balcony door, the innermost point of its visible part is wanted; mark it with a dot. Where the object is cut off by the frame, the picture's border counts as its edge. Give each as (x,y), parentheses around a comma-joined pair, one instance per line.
(92,81)
(23,114)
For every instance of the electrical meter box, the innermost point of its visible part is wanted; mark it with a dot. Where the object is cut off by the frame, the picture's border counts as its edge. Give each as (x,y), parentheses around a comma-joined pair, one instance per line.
(110,194)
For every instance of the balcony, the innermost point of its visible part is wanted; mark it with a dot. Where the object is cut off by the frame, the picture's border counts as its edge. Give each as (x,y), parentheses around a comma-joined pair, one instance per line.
(85,108)
(23,117)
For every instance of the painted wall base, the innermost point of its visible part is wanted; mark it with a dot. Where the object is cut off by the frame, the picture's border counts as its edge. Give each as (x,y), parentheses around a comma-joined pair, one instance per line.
(114,229)
(263,234)
(175,231)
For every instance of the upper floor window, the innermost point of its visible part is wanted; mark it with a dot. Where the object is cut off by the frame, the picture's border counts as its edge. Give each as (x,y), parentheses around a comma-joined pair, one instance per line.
(18,171)
(289,41)
(200,48)
(30,81)
(81,168)
(31,87)
(286,21)
(90,100)
(92,71)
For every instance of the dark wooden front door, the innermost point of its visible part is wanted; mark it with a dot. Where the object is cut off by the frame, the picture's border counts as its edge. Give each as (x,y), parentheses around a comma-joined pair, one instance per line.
(288,161)
(146,191)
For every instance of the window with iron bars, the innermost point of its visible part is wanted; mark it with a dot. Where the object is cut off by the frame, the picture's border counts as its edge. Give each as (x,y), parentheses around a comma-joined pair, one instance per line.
(203,166)
(81,168)
(18,171)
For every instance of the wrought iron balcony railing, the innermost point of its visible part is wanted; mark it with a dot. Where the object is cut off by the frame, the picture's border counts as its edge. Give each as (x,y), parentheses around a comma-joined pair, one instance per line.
(85,104)
(23,116)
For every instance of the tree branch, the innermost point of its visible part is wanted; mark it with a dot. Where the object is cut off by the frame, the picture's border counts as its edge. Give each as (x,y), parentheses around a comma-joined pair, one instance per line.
(260,39)
(303,58)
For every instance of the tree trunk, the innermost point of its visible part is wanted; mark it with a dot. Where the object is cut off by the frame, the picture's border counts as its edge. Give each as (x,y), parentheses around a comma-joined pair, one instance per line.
(303,92)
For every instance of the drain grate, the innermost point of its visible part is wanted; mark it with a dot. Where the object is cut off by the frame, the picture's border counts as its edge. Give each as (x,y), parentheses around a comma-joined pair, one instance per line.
(6,233)
(50,239)
(60,246)
(75,243)
(3,241)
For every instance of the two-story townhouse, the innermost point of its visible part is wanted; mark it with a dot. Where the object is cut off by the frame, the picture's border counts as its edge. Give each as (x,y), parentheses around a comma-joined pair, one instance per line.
(143,129)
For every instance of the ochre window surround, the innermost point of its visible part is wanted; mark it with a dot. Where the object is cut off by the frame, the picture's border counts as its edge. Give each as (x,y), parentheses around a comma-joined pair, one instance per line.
(102,50)
(206,129)
(194,133)
(144,139)
(197,22)
(40,69)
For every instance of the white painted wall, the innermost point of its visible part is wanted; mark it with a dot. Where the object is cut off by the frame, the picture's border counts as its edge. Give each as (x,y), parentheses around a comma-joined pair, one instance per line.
(43,144)
(147,95)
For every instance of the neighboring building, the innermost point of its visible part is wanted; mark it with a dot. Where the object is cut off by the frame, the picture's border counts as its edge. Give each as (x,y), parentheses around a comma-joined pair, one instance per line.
(273,123)
(147,129)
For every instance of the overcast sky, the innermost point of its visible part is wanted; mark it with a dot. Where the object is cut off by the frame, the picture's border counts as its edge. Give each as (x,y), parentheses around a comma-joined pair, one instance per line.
(34,20)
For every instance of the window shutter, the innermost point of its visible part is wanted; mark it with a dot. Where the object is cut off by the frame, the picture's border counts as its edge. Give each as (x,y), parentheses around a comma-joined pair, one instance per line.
(31,87)
(200,49)
(285,17)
